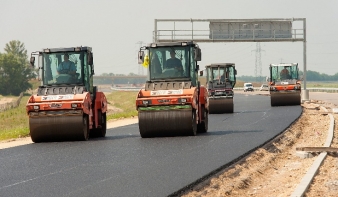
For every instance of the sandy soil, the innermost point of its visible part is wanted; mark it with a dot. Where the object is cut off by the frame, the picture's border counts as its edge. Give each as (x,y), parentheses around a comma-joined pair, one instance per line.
(275,169)
(6,100)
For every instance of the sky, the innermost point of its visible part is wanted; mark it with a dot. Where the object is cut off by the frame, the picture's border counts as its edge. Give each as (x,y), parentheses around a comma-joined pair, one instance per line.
(115,29)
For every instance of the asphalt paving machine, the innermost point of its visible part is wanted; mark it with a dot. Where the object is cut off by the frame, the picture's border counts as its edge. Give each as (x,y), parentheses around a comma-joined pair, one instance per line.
(285,86)
(66,106)
(221,79)
(172,103)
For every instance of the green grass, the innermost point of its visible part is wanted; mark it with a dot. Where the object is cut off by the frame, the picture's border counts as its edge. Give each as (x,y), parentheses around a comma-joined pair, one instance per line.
(124,101)
(312,84)
(14,122)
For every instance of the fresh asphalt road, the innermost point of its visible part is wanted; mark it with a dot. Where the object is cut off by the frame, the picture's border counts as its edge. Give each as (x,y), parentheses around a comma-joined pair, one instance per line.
(124,164)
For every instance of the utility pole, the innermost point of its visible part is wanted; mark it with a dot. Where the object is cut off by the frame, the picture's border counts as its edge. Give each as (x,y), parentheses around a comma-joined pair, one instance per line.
(140,68)
(258,63)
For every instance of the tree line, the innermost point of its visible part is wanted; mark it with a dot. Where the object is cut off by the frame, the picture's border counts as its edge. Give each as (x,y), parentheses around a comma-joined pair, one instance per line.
(310,76)
(116,81)
(15,70)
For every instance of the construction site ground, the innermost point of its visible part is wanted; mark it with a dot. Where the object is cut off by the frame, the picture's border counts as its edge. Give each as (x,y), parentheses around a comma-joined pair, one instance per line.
(273,170)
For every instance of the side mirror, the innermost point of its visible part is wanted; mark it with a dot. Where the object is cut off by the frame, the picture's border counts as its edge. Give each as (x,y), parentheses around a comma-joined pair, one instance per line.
(197,68)
(32,61)
(201,73)
(198,54)
(90,59)
(140,57)
(92,67)
(235,72)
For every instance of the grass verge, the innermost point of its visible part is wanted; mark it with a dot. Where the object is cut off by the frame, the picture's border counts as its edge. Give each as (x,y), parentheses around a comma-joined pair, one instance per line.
(125,101)
(14,122)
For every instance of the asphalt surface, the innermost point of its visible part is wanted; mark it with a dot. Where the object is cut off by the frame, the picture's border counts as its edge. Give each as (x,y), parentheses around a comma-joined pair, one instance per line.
(124,164)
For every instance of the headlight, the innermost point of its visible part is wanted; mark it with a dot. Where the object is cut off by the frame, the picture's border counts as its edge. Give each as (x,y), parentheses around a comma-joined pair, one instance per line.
(183,100)
(36,107)
(74,105)
(145,102)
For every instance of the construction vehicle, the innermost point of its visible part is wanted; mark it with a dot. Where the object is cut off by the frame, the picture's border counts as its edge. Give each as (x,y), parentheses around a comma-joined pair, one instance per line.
(66,106)
(221,79)
(285,86)
(172,103)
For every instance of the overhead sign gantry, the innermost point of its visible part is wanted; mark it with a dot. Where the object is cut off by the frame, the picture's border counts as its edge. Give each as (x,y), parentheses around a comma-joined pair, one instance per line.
(233,30)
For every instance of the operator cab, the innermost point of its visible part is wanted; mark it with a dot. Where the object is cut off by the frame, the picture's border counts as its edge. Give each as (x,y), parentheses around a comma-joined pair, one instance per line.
(221,75)
(284,72)
(171,61)
(65,67)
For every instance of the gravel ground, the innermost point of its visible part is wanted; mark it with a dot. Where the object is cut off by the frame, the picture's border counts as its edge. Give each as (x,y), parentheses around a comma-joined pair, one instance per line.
(275,170)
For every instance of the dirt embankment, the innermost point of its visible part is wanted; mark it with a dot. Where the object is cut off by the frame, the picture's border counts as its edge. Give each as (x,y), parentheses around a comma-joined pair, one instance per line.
(275,169)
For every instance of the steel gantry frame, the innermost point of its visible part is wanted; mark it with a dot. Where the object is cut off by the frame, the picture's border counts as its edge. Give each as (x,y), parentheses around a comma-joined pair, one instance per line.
(236,30)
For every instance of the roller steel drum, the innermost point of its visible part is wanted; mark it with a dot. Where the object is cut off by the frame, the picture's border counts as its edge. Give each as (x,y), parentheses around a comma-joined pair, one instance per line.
(221,105)
(281,98)
(58,126)
(167,122)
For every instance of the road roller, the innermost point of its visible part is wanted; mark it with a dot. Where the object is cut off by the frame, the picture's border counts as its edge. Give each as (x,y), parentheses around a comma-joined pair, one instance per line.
(66,106)
(172,103)
(285,86)
(221,79)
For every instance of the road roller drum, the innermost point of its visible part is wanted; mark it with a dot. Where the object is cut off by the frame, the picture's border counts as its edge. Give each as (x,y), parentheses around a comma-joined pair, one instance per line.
(280,99)
(221,105)
(167,123)
(54,127)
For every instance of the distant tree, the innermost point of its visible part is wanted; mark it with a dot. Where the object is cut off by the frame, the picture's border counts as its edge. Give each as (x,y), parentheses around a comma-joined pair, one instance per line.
(15,71)
(17,48)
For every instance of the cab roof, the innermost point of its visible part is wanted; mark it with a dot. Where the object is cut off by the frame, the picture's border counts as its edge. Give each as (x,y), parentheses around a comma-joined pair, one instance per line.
(215,65)
(169,44)
(67,49)
(285,64)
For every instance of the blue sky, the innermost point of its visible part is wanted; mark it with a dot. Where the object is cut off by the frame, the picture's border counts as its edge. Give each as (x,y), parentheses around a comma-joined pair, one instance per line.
(114,28)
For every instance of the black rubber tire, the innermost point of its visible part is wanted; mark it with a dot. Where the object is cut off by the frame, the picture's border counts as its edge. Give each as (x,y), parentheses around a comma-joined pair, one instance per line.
(203,126)
(101,132)
(86,130)
(103,125)
(194,123)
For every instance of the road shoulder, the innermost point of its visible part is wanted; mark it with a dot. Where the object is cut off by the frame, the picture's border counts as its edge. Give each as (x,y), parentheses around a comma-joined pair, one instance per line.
(27,140)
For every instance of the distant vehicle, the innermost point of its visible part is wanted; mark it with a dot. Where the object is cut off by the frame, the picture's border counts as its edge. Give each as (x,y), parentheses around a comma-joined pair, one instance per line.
(285,85)
(221,79)
(264,87)
(248,87)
